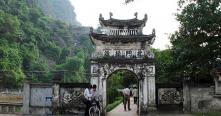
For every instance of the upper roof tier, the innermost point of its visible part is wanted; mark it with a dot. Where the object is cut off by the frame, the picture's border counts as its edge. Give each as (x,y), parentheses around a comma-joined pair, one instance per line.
(129,23)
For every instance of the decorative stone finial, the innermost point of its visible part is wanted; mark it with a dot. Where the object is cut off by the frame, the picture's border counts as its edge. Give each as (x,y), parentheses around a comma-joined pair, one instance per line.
(111,14)
(101,17)
(91,29)
(153,31)
(135,14)
(145,17)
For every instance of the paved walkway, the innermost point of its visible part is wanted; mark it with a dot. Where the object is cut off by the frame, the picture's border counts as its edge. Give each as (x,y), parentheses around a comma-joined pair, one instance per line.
(119,111)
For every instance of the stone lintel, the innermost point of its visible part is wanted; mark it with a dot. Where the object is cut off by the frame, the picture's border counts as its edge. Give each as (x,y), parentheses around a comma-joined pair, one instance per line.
(123,61)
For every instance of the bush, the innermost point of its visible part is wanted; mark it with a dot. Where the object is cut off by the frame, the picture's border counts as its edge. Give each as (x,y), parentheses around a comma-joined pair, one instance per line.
(114,104)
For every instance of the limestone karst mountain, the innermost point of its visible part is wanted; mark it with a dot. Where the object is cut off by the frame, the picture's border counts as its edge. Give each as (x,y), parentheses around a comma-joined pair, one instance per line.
(59,9)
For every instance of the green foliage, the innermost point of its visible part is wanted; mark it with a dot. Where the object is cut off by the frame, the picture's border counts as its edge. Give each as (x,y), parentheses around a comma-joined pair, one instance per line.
(74,67)
(208,114)
(116,81)
(113,83)
(31,41)
(10,64)
(196,44)
(114,104)
(10,26)
(163,63)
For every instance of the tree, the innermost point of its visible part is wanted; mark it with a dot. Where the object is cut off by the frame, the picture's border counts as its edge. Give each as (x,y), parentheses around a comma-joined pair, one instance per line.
(163,63)
(197,43)
(9,28)
(34,45)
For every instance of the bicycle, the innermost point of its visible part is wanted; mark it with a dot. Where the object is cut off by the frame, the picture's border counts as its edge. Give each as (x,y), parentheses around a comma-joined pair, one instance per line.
(94,110)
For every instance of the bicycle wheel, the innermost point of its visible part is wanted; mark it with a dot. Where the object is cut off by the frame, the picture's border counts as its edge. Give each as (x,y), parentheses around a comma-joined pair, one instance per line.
(92,111)
(97,112)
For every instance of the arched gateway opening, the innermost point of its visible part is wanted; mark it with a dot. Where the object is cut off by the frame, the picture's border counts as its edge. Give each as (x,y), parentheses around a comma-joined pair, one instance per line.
(116,82)
(121,45)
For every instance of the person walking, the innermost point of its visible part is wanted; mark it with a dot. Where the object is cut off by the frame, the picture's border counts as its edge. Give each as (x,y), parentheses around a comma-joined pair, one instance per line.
(87,99)
(126,99)
(135,94)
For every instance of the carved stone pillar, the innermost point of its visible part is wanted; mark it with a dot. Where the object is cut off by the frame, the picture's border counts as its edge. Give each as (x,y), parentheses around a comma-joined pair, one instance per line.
(151,88)
(144,96)
(104,103)
(141,97)
(151,93)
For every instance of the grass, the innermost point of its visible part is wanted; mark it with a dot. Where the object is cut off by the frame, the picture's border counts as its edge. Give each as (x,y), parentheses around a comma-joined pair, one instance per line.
(114,104)
(209,114)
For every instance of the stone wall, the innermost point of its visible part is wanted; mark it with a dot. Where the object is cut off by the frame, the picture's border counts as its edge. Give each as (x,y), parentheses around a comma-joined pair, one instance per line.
(71,96)
(37,99)
(10,101)
(201,99)
(53,98)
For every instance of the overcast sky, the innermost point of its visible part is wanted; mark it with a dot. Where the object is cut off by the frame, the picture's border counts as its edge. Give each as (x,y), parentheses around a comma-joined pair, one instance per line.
(160,15)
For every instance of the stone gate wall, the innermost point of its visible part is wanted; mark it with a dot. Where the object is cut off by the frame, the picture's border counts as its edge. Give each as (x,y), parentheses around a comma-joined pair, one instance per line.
(201,98)
(53,98)
(37,99)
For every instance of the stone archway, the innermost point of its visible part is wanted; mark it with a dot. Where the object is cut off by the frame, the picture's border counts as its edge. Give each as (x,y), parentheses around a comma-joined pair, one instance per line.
(121,44)
(128,79)
(144,74)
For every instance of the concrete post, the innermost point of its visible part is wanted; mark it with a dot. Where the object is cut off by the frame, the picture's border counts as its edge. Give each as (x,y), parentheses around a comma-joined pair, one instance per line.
(56,93)
(7,109)
(26,98)
(56,96)
(14,109)
(186,97)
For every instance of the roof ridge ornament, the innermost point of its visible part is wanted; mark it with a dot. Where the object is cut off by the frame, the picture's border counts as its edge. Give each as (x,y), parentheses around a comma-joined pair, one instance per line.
(145,17)
(135,14)
(111,14)
(101,17)
(91,30)
(154,36)
(154,32)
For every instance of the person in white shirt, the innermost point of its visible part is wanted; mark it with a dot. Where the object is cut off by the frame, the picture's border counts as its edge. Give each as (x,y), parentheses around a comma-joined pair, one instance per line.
(87,99)
(96,95)
(126,99)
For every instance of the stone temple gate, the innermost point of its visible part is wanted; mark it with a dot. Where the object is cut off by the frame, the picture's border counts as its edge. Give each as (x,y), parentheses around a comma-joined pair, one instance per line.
(121,45)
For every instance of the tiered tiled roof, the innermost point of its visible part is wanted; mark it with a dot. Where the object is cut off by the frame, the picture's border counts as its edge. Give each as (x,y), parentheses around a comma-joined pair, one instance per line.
(130,23)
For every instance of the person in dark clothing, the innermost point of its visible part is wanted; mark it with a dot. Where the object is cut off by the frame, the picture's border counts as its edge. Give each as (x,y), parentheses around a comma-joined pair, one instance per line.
(126,99)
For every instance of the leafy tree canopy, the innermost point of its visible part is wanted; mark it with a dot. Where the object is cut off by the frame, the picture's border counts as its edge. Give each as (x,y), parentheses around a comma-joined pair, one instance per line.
(197,43)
